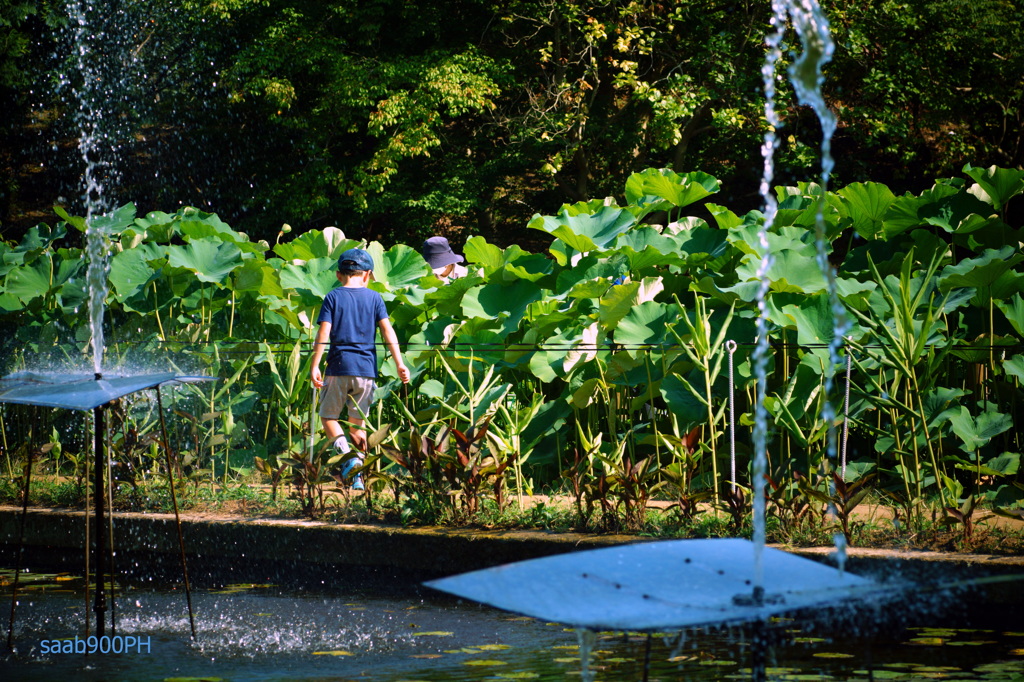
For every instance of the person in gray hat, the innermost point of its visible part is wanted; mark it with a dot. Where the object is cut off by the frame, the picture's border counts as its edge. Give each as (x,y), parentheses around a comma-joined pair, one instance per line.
(349,319)
(442,260)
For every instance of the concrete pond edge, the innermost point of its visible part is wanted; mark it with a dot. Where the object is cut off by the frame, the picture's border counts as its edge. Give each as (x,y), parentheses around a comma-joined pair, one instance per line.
(426,552)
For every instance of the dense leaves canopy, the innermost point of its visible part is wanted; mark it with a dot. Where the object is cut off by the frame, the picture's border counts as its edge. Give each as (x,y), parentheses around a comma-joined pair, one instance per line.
(397,119)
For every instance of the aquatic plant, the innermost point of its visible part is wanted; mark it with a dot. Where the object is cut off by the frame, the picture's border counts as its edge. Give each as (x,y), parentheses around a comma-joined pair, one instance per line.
(596,368)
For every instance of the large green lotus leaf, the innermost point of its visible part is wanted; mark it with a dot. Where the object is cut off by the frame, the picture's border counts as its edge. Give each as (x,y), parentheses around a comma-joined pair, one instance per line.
(650,260)
(724,218)
(312,280)
(210,260)
(590,269)
(958,212)
(159,226)
(479,251)
(746,238)
(867,204)
(659,189)
(448,299)
(1008,284)
(548,362)
(979,272)
(939,404)
(531,267)
(646,324)
(113,222)
(35,241)
(29,281)
(620,299)
(77,222)
(978,234)
(259,276)
(70,277)
(326,243)
(1014,366)
(700,242)
(9,303)
(195,224)
(492,300)
(790,271)
(584,231)
(400,266)
(130,271)
(854,293)
(744,291)
(814,319)
(795,210)
(908,211)
(644,236)
(977,432)
(682,401)
(996,186)
(1014,311)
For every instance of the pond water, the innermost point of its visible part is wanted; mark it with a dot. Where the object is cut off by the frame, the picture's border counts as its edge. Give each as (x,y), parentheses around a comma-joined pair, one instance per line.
(338,627)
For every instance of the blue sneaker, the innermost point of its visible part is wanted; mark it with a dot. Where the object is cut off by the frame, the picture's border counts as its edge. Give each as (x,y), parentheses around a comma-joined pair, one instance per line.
(346,471)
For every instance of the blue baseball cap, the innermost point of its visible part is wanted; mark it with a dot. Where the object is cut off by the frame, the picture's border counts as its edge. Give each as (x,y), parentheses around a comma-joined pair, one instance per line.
(354,259)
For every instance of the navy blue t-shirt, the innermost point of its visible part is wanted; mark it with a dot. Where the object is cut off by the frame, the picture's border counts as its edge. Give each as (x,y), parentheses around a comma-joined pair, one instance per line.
(353,313)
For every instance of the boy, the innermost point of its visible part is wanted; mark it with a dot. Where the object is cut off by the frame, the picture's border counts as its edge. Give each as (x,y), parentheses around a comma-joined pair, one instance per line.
(349,319)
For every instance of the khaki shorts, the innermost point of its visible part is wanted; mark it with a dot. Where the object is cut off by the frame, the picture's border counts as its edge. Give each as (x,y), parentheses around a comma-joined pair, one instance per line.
(338,392)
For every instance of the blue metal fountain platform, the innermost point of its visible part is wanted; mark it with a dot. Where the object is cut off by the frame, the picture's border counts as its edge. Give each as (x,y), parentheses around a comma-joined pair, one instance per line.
(80,391)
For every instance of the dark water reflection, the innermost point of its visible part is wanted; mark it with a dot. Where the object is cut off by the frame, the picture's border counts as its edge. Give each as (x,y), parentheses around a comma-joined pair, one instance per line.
(342,627)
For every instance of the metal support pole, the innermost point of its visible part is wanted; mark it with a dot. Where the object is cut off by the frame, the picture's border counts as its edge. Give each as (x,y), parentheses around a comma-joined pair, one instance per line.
(177,515)
(99,513)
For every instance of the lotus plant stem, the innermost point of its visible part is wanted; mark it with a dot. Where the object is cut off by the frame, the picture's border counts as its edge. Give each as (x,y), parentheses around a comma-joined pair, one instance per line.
(650,406)
(7,450)
(156,314)
(231,319)
(927,438)
(270,413)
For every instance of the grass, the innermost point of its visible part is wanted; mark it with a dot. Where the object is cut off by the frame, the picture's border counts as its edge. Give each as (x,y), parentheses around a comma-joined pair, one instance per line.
(555,513)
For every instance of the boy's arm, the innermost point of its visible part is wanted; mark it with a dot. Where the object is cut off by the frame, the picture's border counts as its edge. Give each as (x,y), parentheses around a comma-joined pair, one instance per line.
(323,337)
(387,332)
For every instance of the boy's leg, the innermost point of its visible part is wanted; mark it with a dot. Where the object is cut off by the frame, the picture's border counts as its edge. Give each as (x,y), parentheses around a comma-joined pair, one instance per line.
(360,396)
(332,402)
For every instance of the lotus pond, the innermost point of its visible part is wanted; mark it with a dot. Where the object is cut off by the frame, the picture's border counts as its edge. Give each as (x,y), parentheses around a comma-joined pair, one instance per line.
(360,626)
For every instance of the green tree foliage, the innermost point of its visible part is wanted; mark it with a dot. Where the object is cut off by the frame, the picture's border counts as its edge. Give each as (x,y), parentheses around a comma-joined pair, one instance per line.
(923,87)
(398,119)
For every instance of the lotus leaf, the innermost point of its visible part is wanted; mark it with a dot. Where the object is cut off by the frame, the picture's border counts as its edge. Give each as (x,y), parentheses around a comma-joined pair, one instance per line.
(399,266)
(130,272)
(326,243)
(586,232)
(646,324)
(867,203)
(977,432)
(620,299)
(657,189)
(996,186)
(683,401)
(312,280)
(209,260)
(258,276)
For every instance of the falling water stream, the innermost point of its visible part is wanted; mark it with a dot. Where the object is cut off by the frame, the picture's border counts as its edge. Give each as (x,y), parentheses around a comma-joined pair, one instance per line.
(811,26)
